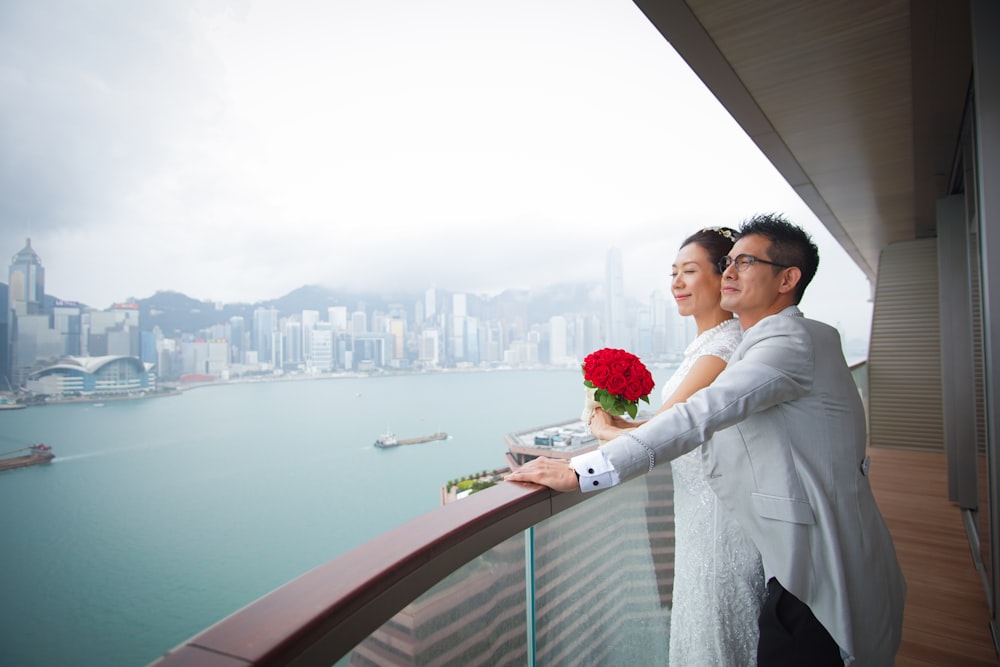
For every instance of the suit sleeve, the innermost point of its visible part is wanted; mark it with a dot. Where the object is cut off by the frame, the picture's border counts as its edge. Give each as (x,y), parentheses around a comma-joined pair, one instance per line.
(773,365)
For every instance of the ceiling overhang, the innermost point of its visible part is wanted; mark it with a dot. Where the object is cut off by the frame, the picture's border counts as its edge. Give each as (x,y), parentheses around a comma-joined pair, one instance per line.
(858,105)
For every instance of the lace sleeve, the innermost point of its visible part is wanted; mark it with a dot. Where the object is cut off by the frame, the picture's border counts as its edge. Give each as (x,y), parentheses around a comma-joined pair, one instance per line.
(722,345)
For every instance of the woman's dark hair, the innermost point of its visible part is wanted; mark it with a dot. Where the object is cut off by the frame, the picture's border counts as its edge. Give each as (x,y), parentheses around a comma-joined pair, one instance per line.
(717,242)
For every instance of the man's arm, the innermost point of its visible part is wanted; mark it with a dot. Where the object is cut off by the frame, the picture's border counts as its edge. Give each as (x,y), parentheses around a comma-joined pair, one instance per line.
(776,366)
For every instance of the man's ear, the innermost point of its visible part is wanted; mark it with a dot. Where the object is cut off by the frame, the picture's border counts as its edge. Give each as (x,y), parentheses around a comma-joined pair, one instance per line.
(789,279)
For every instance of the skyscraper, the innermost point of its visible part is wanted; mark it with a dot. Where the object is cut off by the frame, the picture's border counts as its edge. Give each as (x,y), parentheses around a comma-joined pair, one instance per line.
(26,282)
(559,341)
(25,296)
(265,329)
(615,334)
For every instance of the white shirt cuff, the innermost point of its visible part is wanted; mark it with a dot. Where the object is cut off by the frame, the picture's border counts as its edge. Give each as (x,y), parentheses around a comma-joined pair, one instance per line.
(595,471)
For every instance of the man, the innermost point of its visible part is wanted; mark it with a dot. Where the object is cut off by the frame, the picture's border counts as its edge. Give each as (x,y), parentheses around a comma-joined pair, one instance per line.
(787,459)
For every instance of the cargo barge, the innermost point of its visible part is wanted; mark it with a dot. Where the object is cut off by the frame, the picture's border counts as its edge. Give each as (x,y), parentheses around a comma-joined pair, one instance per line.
(38,454)
(389,439)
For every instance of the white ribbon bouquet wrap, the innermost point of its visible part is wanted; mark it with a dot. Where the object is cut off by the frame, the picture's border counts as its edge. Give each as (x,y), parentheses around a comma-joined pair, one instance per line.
(589,404)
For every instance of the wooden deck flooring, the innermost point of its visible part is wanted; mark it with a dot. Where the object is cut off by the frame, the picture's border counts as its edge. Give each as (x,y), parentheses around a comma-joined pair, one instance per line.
(946,620)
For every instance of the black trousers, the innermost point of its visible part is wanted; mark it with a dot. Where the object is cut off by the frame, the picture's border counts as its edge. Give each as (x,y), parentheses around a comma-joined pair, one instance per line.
(790,636)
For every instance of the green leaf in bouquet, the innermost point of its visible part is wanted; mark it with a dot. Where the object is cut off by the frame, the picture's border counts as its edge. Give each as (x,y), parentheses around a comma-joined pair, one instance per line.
(607,401)
(632,409)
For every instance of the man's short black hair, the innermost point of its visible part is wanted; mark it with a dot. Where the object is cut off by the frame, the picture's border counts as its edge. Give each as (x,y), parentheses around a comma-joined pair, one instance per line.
(790,245)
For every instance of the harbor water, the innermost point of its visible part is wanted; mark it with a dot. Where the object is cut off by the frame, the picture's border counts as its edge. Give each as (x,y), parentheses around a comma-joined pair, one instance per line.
(161,516)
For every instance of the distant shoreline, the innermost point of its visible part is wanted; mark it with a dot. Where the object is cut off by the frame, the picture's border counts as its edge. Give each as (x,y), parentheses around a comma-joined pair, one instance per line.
(176,388)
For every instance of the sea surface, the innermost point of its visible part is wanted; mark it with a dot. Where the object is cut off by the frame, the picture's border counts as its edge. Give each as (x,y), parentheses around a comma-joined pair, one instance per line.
(161,516)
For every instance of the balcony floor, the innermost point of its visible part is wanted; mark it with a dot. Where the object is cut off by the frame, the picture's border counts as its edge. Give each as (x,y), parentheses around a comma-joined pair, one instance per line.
(946,621)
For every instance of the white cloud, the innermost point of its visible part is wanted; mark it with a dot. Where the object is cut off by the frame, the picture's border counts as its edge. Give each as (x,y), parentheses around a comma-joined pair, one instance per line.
(240,152)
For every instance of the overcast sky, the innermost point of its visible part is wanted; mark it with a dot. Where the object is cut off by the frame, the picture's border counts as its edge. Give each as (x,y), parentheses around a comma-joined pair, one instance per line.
(234,151)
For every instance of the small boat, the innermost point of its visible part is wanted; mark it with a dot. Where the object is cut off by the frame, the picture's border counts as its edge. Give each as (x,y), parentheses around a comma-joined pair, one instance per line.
(389,439)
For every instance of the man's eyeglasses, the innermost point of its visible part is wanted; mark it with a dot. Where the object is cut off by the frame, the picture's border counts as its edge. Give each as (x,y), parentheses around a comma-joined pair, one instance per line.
(744,261)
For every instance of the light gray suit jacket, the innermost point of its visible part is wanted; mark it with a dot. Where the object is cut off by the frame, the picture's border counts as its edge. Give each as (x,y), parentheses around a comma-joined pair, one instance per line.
(787,458)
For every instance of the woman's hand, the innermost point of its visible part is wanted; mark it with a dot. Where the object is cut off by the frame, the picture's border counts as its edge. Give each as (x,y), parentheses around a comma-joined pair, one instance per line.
(553,473)
(607,426)
(603,425)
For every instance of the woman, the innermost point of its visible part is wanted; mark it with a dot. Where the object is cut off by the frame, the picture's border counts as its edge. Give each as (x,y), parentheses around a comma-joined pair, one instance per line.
(718,578)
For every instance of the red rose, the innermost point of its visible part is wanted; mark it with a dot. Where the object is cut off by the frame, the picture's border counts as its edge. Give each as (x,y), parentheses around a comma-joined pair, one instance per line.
(634,390)
(615,384)
(620,365)
(598,374)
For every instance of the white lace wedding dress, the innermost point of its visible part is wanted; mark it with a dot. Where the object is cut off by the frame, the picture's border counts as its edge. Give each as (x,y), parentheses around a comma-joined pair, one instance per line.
(718,578)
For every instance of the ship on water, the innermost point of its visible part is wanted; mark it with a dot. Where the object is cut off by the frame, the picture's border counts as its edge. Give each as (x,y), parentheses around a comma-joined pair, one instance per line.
(37,454)
(389,439)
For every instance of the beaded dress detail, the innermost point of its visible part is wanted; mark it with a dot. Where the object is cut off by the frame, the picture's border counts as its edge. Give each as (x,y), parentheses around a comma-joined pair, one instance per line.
(718,578)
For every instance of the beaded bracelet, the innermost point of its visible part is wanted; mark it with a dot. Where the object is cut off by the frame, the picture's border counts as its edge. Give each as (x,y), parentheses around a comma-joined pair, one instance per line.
(649,451)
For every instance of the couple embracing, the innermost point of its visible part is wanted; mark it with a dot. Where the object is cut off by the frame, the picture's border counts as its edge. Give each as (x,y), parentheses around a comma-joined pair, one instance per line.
(782,557)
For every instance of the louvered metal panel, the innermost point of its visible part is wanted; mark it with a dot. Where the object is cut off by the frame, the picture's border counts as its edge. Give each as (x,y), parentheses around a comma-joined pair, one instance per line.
(904,364)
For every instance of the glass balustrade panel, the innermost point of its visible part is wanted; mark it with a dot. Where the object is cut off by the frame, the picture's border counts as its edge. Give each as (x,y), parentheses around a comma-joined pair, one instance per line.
(603,572)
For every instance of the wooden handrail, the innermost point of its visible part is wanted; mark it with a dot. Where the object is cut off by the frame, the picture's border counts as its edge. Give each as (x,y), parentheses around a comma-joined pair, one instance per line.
(322,615)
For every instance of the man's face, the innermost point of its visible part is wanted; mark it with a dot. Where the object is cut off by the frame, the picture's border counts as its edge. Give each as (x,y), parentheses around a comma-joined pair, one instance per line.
(753,293)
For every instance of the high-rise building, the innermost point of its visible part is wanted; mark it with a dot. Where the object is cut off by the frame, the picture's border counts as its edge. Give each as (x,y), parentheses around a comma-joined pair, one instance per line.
(25,296)
(615,333)
(397,330)
(309,320)
(459,305)
(265,328)
(114,331)
(359,323)
(338,318)
(430,303)
(26,282)
(34,340)
(293,337)
(237,345)
(321,350)
(659,308)
(430,347)
(558,341)
(644,333)
(67,320)
(4,341)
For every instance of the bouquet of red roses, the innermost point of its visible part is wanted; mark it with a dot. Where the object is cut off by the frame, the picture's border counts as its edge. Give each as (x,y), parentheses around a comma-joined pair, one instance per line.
(618,380)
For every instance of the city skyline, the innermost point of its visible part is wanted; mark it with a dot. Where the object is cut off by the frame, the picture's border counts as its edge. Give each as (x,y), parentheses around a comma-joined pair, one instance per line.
(60,348)
(236,152)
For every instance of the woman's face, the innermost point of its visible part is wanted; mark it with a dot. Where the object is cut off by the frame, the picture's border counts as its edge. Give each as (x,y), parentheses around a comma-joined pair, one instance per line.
(695,283)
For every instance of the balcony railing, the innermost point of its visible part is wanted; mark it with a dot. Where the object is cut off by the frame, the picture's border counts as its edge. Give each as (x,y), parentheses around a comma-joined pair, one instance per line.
(511,572)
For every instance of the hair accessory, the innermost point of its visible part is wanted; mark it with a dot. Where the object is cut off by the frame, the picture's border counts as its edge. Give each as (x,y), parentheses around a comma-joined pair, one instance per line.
(728,233)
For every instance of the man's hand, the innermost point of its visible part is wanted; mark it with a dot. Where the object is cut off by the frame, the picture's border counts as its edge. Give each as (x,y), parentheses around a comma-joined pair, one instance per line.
(553,473)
